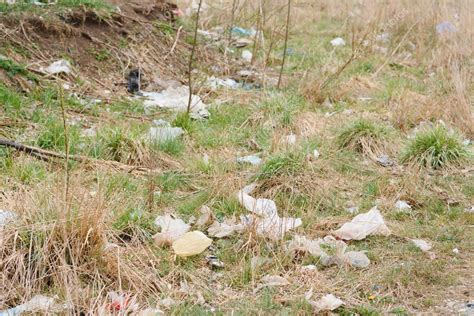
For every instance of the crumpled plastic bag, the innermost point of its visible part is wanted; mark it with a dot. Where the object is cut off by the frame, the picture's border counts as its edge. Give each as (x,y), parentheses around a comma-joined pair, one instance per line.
(225,229)
(422,244)
(191,243)
(303,244)
(267,223)
(271,281)
(207,216)
(171,229)
(6,217)
(60,66)
(164,134)
(363,225)
(175,99)
(39,303)
(326,303)
(338,41)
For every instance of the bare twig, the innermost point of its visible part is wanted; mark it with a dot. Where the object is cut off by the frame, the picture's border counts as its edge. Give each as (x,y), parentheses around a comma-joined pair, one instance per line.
(191,58)
(286,44)
(66,145)
(175,43)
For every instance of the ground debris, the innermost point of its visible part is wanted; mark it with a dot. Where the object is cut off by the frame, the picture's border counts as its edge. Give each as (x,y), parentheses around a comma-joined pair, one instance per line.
(363,225)
(171,229)
(191,244)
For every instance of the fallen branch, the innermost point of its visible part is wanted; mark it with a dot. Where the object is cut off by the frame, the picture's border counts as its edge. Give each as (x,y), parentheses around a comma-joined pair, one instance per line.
(47,155)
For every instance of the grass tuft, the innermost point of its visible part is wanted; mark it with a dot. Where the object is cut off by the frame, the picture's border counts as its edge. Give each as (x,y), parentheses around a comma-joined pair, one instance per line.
(435,148)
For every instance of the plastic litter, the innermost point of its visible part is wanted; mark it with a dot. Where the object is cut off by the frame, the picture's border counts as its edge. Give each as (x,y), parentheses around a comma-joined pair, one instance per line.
(338,41)
(271,281)
(216,83)
(456,251)
(175,98)
(327,303)
(167,302)
(289,139)
(445,28)
(207,216)
(38,304)
(316,154)
(6,217)
(164,134)
(213,261)
(402,205)
(60,66)
(242,42)
(363,225)
(268,223)
(309,267)
(252,159)
(469,209)
(225,229)
(240,31)
(171,229)
(385,161)
(303,244)
(353,209)
(121,302)
(423,245)
(150,312)
(247,55)
(191,243)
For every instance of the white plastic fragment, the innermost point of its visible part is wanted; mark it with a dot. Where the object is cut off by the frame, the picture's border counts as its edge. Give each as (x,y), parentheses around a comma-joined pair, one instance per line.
(6,217)
(423,245)
(303,244)
(191,244)
(385,161)
(274,280)
(164,134)
(38,304)
(357,259)
(456,251)
(216,83)
(60,66)
(338,41)
(402,205)
(445,28)
(175,98)
(316,154)
(123,303)
(206,217)
(326,303)
(363,225)
(251,159)
(225,229)
(171,229)
(267,223)
(247,55)
(353,209)
(289,139)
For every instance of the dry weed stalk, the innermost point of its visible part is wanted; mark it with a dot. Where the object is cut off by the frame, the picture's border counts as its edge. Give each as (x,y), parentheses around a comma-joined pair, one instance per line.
(191,58)
(286,43)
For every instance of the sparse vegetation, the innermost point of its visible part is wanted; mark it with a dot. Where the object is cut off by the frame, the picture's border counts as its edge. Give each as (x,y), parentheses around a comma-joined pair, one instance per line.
(435,148)
(87,228)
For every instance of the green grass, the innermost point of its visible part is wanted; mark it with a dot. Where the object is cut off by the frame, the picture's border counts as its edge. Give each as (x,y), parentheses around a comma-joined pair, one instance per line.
(353,135)
(52,136)
(12,69)
(435,148)
(26,5)
(285,164)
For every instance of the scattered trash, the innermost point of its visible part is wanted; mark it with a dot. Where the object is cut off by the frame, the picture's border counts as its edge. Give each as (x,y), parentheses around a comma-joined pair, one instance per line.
(206,218)
(466,142)
(467,209)
(423,245)
(353,209)
(247,55)
(363,225)
(456,251)
(150,312)
(121,302)
(225,229)
(402,205)
(164,134)
(271,281)
(7,216)
(445,27)
(214,262)
(328,104)
(268,223)
(38,304)
(171,229)
(338,41)
(309,267)
(242,42)
(316,154)
(383,37)
(191,243)
(385,161)
(303,244)
(216,83)
(326,303)
(167,302)
(240,31)
(252,159)
(356,259)
(175,98)
(60,66)
(133,81)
